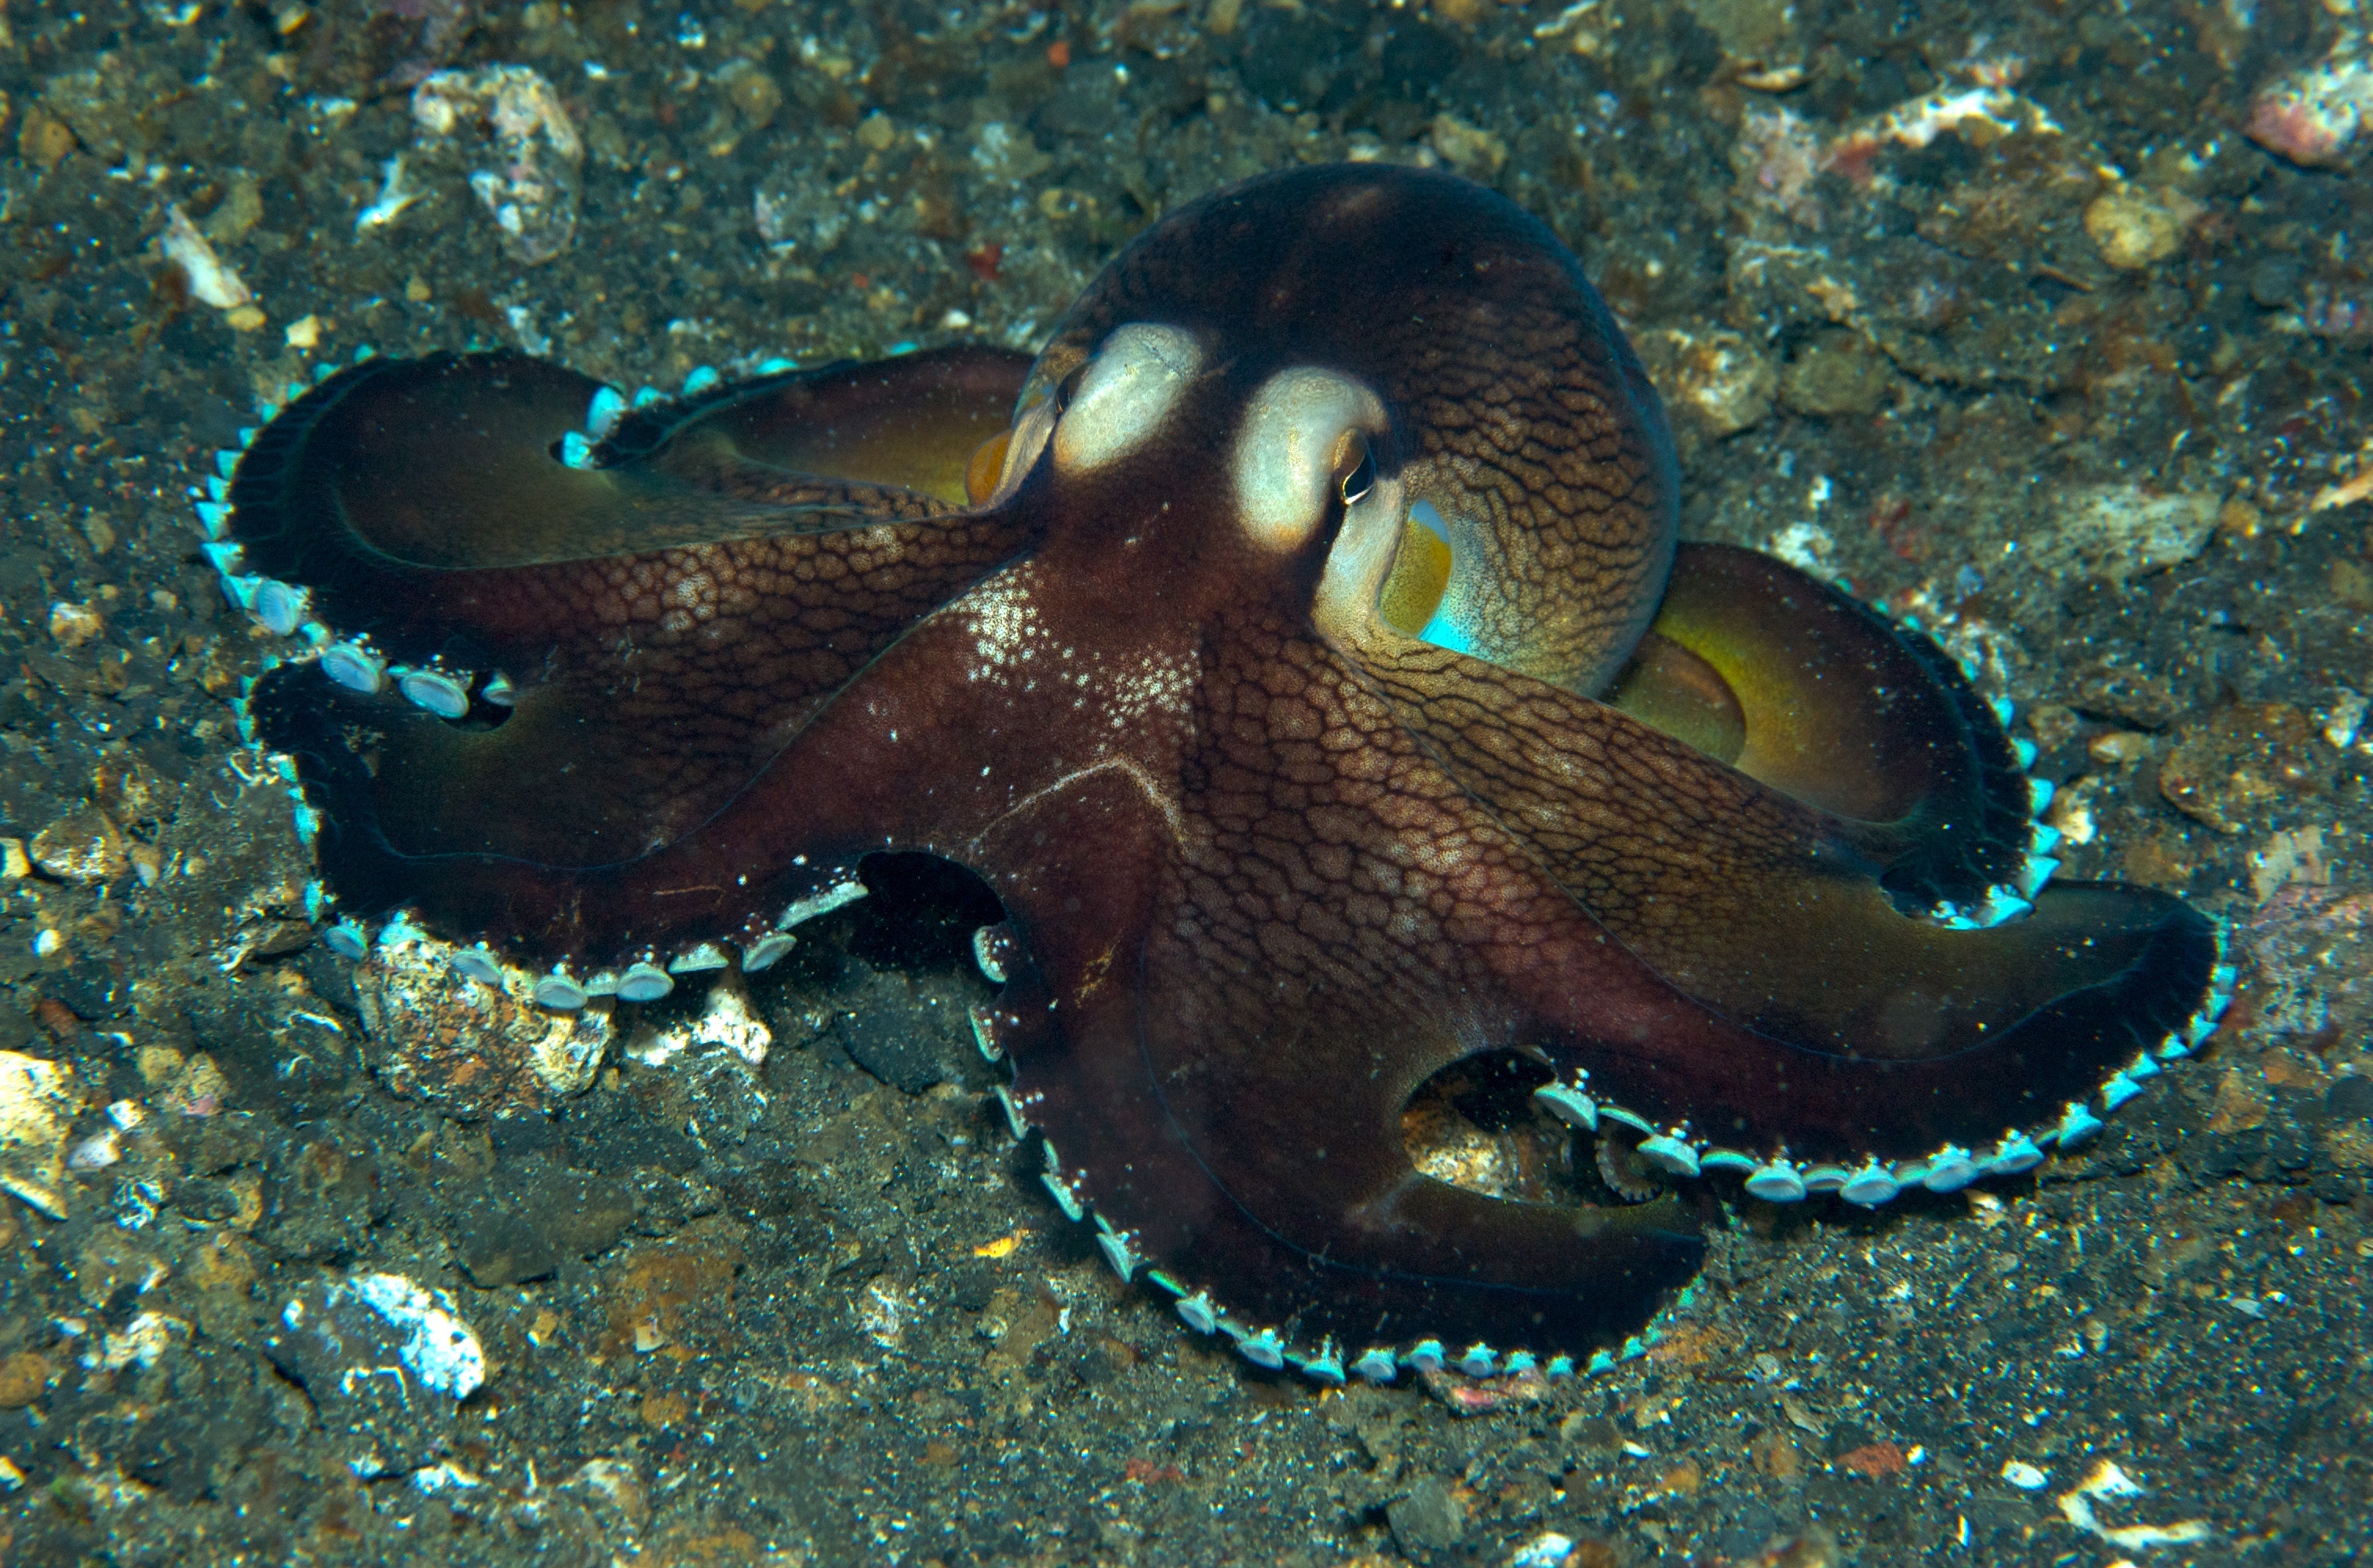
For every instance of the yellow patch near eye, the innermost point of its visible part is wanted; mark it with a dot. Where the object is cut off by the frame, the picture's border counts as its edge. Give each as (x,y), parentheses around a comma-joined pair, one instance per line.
(988,463)
(1420,576)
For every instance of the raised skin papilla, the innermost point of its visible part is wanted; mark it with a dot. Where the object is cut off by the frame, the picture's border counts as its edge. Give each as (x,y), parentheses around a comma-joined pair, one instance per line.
(1257,669)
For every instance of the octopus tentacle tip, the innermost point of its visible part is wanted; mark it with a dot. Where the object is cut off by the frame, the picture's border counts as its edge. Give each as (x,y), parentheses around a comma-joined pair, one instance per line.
(1220,642)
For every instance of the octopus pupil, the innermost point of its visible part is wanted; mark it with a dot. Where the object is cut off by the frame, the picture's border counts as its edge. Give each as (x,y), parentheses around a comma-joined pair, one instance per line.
(1362,479)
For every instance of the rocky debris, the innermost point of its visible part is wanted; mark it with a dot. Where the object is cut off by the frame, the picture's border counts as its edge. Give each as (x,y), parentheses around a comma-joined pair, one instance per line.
(2135,226)
(2117,531)
(84,846)
(531,189)
(38,1100)
(2313,974)
(2247,763)
(386,1362)
(1429,1517)
(469,1048)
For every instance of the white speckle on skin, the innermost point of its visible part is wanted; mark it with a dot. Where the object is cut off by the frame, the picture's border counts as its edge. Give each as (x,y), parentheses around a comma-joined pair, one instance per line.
(1002,619)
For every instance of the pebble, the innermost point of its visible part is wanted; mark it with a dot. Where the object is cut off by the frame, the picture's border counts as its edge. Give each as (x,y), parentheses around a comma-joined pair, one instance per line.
(2120,748)
(23,1376)
(470,1049)
(386,1364)
(74,625)
(1839,372)
(1428,1518)
(2134,228)
(84,845)
(1723,377)
(38,1105)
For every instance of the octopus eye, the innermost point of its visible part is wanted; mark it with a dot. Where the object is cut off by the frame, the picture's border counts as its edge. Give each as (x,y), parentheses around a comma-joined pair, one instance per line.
(1360,476)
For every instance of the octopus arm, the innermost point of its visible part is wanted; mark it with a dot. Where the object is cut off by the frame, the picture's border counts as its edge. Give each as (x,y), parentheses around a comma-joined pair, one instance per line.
(1847,1026)
(604,643)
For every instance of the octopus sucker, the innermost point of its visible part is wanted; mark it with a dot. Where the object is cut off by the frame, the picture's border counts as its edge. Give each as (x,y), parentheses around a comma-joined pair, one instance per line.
(1301,648)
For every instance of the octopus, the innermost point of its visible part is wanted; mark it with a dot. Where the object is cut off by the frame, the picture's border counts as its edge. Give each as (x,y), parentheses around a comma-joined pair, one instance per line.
(1302,650)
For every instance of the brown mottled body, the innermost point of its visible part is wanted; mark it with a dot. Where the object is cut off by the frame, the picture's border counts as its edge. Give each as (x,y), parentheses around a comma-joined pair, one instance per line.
(1270,856)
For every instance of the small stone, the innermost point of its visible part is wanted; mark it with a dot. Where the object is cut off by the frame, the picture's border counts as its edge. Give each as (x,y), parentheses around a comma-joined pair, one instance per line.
(2119,691)
(1470,149)
(2349,1099)
(305,331)
(877,132)
(2120,748)
(2119,531)
(38,1103)
(615,1482)
(1429,1517)
(1837,373)
(386,1362)
(74,625)
(23,1376)
(2274,282)
(2134,228)
(2053,724)
(1720,376)
(757,96)
(244,318)
(42,139)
